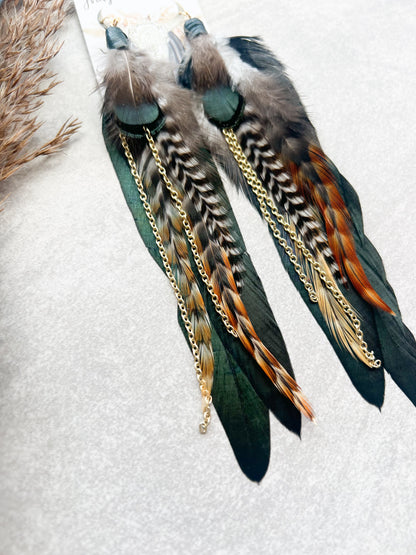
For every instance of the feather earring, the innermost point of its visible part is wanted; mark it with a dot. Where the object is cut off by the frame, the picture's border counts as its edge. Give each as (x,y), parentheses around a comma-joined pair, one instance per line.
(312,211)
(176,196)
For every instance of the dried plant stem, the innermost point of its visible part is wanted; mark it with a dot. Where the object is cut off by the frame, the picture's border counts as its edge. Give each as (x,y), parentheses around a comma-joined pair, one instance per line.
(27,44)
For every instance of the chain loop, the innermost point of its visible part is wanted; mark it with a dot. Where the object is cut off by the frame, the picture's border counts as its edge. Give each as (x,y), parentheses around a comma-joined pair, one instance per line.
(206,412)
(266,203)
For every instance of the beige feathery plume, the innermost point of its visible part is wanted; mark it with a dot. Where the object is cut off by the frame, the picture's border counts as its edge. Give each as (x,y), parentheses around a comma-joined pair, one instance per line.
(27,44)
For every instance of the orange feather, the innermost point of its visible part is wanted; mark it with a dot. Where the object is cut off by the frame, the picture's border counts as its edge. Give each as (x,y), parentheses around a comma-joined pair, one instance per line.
(338,227)
(226,290)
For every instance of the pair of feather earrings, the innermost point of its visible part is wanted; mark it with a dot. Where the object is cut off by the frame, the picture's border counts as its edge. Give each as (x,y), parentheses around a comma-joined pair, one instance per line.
(232,105)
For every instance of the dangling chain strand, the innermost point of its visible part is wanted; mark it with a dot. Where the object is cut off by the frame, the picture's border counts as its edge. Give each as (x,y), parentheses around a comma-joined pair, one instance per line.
(181,302)
(264,202)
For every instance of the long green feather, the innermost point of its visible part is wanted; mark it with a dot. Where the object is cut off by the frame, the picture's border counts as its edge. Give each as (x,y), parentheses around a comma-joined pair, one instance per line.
(397,344)
(238,383)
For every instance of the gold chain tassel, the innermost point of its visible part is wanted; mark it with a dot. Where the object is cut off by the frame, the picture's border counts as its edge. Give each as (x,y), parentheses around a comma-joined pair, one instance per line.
(266,202)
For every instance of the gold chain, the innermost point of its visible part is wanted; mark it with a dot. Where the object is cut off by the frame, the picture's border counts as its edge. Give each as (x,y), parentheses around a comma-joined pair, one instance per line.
(175,197)
(264,202)
(181,302)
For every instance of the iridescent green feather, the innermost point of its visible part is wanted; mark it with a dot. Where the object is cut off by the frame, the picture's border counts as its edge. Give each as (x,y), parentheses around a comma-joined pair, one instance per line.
(236,377)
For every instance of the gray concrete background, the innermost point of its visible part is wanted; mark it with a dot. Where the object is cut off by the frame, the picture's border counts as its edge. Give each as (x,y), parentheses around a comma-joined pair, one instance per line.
(99,406)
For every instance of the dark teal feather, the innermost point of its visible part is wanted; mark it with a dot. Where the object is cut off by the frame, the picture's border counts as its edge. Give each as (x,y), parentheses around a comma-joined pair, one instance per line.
(221,103)
(144,114)
(239,386)
(397,344)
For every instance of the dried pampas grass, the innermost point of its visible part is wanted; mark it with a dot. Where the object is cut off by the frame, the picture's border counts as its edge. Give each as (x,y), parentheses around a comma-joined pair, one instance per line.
(27,44)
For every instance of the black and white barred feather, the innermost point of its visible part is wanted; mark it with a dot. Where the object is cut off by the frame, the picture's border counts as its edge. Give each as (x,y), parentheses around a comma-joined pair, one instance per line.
(198,182)
(284,191)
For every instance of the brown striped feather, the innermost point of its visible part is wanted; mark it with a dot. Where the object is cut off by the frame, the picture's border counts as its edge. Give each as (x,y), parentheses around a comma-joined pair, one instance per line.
(171,230)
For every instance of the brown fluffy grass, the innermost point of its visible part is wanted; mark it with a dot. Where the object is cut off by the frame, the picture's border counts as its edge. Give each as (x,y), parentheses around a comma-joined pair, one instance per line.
(28,42)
